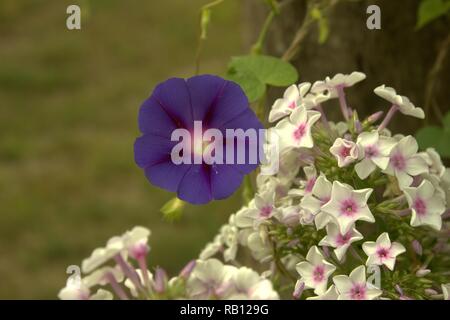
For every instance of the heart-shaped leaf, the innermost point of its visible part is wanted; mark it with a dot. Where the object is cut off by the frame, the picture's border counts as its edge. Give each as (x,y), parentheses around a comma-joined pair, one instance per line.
(435,137)
(254,72)
(249,82)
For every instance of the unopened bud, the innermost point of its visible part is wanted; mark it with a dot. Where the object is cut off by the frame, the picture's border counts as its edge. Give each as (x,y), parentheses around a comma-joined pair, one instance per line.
(173,209)
(399,289)
(289,231)
(326,251)
(298,290)
(160,280)
(431,292)
(417,247)
(348,136)
(422,272)
(187,270)
(358,127)
(139,250)
(293,243)
(375,117)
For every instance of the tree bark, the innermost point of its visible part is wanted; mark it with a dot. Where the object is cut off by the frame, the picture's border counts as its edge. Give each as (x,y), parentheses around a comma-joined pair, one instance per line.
(396,55)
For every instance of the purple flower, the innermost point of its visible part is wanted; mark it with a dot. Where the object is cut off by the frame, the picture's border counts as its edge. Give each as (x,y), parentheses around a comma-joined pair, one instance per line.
(177,103)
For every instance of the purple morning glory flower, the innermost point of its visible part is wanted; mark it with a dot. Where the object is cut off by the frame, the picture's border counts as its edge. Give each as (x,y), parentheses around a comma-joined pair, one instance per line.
(176,104)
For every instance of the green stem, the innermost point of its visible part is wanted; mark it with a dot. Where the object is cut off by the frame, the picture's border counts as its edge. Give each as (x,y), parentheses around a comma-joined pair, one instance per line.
(356,254)
(212,4)
(257,47)
(280,265)
(301,33)
(204,22)
(275,10)
(273,5)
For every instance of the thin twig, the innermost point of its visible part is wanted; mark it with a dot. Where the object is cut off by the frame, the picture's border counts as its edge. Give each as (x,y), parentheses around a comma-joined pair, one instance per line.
(301,33)
(257,47)
(202,35)
(275,10)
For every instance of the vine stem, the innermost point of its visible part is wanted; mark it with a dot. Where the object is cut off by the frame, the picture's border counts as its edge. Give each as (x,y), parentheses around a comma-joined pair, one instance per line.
(257,47)
(212,4)
(301,33)
(275,10)
(203,28)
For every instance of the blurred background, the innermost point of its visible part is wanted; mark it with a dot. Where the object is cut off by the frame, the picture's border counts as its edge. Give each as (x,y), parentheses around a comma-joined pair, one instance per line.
(68,115)
(68,119)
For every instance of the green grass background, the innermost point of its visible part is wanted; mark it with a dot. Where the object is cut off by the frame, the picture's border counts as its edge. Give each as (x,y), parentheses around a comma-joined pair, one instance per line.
(68,120)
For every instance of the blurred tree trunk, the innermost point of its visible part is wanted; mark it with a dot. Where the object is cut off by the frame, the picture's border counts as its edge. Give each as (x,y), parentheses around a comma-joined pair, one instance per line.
(396,55)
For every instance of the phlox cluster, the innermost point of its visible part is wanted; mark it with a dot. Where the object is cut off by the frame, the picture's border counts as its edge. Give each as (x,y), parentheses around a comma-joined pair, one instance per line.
(350,197)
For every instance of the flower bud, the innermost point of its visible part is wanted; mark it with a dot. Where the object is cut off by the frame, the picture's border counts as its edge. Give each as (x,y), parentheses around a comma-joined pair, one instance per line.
(358,127)
(173,209)
(431,292)
(289,231)
(375,117)
(160,280)
(293,243)
(187,270)
(417,247)
(298,290)
(326,251)
(399,289)
(348,136)
(422,272)
(139,250)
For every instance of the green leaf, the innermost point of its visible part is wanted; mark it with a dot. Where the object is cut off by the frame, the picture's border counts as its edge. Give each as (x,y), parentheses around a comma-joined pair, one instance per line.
(249,82)
(430,10)
(428,137)
(269,70)
(446,121)
(173,209)
(444,147)
(254,72)
(434,137)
